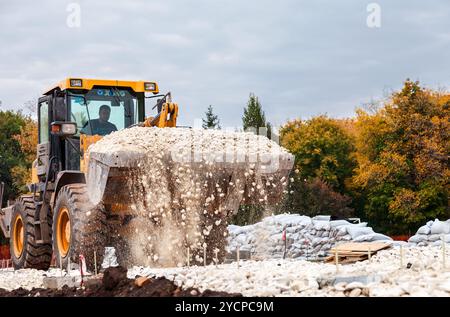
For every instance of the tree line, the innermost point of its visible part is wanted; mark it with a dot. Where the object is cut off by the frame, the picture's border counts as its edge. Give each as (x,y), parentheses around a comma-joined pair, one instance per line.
(388,165)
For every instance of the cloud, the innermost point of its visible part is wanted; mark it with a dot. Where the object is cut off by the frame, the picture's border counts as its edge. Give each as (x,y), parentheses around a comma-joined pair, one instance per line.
(223,58)
(170,39)
(302,58)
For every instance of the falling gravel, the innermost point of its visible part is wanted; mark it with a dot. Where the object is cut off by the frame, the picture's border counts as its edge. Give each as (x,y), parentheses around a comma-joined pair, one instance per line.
(182,186)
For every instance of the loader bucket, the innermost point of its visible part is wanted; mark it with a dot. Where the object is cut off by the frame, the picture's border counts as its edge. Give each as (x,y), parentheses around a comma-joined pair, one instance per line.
(179,196)
(109,176)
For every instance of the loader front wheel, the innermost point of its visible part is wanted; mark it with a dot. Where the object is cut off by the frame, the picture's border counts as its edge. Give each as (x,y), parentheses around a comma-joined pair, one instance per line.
(79,228)
(25,252)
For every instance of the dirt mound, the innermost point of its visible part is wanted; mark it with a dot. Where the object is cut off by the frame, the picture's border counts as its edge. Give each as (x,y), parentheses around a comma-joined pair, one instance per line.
(116,284)
(113,277)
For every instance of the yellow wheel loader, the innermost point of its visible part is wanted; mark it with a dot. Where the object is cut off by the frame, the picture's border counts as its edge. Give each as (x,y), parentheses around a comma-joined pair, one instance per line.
(57,217)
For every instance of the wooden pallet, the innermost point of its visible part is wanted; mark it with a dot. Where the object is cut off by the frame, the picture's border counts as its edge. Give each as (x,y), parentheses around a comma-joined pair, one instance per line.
(355,251)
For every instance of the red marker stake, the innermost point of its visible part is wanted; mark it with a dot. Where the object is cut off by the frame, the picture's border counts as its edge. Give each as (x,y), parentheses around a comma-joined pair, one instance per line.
(81,269)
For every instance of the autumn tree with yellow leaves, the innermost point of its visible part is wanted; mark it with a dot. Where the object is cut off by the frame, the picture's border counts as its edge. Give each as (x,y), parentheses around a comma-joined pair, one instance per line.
(389,165)
(18,141)
(403,159)
(28,139)
(324,164)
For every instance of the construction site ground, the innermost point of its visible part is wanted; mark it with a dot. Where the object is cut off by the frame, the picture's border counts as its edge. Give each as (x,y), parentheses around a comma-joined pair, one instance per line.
(411,271)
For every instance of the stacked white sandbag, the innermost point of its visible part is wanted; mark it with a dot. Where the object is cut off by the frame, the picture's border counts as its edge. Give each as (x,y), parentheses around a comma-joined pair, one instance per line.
(432,233)
(305,237)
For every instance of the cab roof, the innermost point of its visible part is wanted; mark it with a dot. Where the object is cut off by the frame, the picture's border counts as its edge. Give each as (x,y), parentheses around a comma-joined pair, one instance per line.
(86,83)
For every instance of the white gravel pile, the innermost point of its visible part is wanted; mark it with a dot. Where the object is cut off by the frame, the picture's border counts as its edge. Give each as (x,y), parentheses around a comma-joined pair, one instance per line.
(419,272)
(432,233)
(306,237)
(422,274)
(184,140)
(29,278)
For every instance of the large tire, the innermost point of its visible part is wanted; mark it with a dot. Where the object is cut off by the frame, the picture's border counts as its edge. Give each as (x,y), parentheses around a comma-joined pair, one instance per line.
(80,228)
(25,252)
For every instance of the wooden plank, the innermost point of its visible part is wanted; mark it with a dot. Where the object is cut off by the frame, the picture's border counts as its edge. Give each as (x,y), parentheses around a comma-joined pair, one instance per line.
(360,247)
(347,253)
(355,251)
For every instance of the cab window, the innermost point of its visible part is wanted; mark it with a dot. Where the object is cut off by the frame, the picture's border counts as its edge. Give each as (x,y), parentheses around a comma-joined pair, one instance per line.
(102,111)
(43,123)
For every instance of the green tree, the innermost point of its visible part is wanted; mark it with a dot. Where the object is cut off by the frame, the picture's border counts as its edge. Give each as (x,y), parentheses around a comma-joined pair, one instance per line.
(254,120)
(403,151)
(313,197)
(18,138)
(324,162)
(211,121)
(322,149)
(254,117)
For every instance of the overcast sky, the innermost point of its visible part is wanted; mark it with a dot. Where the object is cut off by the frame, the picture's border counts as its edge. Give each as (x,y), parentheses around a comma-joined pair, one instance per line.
(302,58)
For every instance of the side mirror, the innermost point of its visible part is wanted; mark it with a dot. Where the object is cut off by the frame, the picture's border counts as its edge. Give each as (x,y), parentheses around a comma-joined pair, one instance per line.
(63,129)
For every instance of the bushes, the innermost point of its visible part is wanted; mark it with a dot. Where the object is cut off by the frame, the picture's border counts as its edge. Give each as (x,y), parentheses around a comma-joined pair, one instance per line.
(315,197)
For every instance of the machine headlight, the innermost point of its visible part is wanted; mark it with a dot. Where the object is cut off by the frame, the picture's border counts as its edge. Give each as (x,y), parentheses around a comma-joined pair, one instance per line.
(69,128)
(150,86)
(64,129)
(76,83)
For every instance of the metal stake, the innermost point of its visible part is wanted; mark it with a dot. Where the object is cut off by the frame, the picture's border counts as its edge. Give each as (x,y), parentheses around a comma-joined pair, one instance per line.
(60,263)
(204,255)
(336,256)
(443,253)
(401,256)
(237,255)
(95,262)
(188,258)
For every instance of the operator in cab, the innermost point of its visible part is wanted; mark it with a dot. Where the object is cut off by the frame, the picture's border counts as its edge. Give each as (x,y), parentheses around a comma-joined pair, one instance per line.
(100,126)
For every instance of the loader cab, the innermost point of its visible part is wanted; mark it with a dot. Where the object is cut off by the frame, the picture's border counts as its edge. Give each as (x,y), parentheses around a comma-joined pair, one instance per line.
(85,102)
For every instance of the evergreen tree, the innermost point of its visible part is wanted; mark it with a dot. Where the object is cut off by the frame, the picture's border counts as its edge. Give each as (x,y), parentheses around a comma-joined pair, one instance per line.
(254,117)
(212,120)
